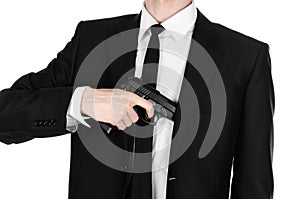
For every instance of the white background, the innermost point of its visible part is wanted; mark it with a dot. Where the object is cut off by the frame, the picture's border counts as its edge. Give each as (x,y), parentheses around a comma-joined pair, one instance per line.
(33,31)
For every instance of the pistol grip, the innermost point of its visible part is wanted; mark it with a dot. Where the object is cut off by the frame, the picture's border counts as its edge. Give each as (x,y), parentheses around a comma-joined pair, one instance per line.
(143,117)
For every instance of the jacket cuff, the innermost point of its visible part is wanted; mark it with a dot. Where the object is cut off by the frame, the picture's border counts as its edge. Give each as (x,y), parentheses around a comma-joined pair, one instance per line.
(73,115)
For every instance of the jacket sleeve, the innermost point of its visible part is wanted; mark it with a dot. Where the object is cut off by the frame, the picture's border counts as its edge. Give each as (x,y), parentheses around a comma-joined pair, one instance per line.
(252,170)
(35,106)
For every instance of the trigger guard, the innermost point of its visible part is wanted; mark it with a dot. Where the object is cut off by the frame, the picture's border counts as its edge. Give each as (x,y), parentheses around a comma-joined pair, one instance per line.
(143,117)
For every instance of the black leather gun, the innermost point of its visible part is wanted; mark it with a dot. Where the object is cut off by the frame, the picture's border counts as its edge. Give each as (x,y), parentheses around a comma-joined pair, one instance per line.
(163,107)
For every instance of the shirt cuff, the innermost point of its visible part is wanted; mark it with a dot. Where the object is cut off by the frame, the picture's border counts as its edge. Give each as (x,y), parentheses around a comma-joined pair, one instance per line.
(74,116)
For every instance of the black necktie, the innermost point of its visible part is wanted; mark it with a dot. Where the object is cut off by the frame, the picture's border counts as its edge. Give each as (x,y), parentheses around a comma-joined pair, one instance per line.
(150,67)
(141,183)
(149,76)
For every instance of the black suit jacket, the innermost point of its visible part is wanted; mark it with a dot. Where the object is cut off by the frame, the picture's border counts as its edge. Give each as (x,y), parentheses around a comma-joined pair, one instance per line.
(35,107)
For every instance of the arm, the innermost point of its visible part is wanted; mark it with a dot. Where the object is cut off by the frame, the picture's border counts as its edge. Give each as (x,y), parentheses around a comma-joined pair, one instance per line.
(252,171)
(36,104)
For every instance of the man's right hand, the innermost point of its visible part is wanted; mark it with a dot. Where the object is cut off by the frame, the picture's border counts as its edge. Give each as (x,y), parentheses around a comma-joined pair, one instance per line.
(114,106)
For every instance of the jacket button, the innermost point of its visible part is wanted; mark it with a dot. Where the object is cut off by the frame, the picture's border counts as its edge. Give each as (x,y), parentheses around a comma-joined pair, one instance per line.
(48,122)
(124,167)
(36,123)
(41,123)
(45,123)
(172,178)
(52,122)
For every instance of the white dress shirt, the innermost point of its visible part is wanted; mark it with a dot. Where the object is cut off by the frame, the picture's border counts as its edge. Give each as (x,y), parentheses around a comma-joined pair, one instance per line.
(178,30)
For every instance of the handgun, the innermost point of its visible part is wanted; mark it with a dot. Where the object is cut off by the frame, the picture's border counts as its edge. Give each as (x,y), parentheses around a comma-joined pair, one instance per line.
(163,106)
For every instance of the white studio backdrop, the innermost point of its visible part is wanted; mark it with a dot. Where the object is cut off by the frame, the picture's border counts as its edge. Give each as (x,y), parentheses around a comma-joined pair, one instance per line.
(32,32)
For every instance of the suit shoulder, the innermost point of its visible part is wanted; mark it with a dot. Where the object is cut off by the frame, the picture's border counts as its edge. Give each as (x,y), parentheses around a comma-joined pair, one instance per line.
(106,22)
(238,41)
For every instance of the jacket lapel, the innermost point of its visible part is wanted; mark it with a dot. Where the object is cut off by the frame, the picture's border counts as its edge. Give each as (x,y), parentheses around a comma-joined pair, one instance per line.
(205,35)
(125,46)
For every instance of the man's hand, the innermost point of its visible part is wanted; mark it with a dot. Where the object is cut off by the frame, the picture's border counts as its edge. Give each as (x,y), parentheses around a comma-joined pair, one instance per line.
(114,106)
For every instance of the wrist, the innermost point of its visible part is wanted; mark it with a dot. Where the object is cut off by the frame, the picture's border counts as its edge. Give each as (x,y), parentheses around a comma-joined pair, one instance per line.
(87,100)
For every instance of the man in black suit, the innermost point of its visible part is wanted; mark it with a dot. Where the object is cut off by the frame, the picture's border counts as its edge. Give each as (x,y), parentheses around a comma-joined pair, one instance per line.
(44,104)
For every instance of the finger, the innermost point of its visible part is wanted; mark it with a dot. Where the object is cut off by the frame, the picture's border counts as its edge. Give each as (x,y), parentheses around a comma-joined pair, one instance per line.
(147,105)
(121,126)
(127,121)
(133,115)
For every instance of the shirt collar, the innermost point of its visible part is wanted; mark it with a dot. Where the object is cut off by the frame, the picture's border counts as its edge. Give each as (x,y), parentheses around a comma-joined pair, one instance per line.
(180,23)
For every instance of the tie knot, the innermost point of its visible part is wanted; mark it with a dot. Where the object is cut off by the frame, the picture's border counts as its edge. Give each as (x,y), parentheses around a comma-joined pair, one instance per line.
(156,29)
